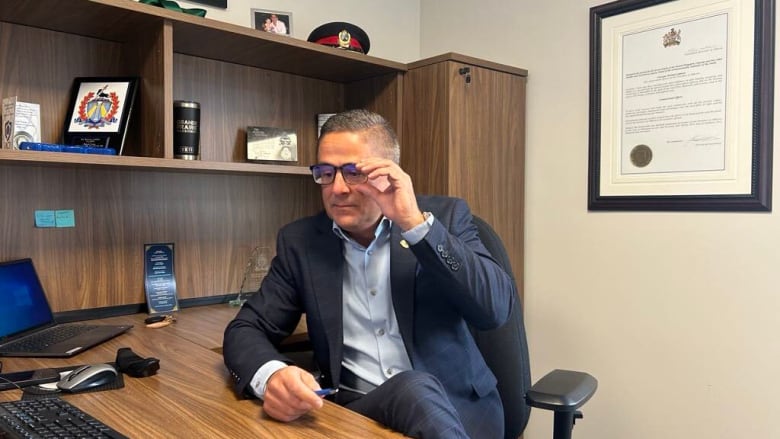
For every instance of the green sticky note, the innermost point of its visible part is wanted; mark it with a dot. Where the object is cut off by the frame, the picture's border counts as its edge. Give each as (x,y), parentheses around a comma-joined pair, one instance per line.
(65,218)
(44,218)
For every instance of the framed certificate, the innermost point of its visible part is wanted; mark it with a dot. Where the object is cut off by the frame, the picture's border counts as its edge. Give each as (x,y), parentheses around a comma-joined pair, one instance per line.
(681,104)
(99,112)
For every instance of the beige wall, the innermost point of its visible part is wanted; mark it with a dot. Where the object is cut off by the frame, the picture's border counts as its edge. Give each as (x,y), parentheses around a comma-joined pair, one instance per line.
(676,314)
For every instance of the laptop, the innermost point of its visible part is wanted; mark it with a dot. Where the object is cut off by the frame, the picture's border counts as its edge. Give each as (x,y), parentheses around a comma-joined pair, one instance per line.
(27,325)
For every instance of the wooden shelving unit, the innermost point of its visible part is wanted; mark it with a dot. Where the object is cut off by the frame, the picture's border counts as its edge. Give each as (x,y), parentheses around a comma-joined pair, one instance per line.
(214,210)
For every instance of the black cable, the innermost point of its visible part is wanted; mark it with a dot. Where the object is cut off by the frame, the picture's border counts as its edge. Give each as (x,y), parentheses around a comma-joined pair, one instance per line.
(11,382)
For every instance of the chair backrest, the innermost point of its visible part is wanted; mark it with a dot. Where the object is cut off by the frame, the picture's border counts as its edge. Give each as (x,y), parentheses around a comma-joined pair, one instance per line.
(505,349)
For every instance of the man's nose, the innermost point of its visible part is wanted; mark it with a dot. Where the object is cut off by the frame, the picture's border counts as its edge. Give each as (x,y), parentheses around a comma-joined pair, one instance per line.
(339,184)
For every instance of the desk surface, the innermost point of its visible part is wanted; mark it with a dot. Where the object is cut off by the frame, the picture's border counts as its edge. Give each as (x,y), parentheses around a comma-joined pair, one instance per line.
(191,395)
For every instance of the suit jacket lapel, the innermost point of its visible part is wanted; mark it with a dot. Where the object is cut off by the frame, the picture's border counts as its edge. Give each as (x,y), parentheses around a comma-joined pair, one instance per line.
(402,279)
(327,268)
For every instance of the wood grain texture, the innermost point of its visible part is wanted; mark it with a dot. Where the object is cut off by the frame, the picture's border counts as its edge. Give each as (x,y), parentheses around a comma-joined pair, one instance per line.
(233,97)
(39,66)
(150,58)
(191,395)
(426,125)
(379,94)
(214,220)
(466,139)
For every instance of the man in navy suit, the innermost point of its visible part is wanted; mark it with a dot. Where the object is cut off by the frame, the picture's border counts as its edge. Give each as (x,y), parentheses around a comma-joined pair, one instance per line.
(390,283)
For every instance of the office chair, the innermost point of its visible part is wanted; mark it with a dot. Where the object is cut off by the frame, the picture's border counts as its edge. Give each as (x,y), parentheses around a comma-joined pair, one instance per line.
(506,352)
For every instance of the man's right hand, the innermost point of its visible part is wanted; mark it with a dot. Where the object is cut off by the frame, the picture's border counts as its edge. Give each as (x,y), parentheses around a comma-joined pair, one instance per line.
(289,394)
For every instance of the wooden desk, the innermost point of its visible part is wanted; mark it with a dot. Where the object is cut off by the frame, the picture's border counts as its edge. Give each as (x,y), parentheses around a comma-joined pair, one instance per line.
(191,395)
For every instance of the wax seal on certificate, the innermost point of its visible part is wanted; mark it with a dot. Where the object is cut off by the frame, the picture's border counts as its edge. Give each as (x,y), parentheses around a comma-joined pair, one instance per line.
(641,156)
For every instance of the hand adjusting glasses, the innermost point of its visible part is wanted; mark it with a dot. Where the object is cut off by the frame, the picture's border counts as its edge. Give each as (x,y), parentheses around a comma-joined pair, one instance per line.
(325,173)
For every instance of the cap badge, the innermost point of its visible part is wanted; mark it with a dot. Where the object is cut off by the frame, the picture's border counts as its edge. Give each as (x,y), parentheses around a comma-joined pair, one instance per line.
(344,39)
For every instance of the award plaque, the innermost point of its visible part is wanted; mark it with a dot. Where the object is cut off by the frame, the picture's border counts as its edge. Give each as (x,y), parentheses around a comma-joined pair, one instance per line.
(272,144)
(159,279)
(256,268)
(99,112)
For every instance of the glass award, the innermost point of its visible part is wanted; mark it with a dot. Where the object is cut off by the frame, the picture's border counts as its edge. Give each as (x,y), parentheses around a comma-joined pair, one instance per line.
(256,268)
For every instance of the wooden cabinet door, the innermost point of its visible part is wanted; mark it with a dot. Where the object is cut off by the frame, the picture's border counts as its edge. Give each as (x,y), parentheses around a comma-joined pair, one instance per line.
(464,134)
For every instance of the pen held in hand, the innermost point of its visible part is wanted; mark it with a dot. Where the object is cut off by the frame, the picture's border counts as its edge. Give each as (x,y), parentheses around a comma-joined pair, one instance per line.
(325,392)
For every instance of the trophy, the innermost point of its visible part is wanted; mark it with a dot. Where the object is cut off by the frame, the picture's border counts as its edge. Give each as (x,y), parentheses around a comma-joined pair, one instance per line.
(256,268)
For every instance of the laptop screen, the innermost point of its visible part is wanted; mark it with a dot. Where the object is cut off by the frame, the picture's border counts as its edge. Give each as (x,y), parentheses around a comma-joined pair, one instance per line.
(23,303)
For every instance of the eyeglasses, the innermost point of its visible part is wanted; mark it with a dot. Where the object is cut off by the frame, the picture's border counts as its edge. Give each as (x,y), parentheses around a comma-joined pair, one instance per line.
(325,173)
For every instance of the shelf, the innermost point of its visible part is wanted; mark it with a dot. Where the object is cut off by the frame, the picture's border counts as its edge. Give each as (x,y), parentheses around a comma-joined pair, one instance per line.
(124,20)
(215,210)
(144,163)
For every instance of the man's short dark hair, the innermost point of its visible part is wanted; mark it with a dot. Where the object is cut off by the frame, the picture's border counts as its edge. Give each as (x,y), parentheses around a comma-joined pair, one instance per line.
(377,131)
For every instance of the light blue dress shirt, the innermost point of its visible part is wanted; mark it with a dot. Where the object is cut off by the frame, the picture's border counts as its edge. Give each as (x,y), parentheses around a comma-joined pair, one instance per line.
(373,347)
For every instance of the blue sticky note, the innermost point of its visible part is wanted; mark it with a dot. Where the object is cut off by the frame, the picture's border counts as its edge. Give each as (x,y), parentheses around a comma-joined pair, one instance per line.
(44,218)
(65,218)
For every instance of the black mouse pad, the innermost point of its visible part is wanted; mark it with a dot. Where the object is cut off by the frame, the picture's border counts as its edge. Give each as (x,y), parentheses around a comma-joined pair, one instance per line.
(37,392)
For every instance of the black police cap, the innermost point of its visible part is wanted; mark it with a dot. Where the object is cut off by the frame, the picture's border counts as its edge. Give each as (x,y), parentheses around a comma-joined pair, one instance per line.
(342,35)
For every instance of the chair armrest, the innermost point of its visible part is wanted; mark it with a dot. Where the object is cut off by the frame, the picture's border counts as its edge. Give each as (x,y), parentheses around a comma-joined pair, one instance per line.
(562,391)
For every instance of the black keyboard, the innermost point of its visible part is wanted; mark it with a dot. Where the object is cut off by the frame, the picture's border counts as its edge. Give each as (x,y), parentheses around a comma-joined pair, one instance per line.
(50,418)
(40,341)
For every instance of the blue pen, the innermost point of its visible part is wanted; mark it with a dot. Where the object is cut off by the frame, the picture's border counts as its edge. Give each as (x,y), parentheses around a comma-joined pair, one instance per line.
(326,391)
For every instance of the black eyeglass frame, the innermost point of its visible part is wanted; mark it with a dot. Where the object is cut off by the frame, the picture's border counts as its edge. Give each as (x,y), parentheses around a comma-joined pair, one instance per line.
(352,177)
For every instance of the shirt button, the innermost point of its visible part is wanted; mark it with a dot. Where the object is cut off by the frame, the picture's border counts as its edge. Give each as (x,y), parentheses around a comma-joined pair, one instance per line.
(381,332)
(389,371)
(372,292)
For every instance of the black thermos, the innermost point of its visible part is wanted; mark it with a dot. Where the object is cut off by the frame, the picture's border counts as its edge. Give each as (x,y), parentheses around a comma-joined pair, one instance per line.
(186,130)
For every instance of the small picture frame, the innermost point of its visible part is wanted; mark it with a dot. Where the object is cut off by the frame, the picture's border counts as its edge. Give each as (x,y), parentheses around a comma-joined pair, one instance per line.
(277,22)
(99,111)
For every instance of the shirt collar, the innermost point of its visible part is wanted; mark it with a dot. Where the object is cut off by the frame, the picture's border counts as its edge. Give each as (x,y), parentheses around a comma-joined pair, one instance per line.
(383,228)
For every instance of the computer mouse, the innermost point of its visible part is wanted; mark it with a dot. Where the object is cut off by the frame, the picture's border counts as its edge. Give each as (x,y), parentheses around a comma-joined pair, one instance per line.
(87,377)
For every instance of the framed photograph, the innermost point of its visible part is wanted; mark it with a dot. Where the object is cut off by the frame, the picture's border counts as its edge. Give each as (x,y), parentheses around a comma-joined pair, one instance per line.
(99,111)
(681,105)
(272,21)
(215,3)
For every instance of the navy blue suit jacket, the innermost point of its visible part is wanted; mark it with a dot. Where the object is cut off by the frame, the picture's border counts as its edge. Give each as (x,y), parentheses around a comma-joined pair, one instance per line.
(440,286)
